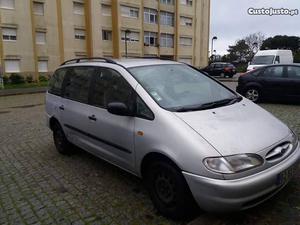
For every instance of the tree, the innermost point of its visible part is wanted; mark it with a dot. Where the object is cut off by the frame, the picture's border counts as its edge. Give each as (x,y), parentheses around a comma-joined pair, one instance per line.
(254,41)
(282,42)
(239,52)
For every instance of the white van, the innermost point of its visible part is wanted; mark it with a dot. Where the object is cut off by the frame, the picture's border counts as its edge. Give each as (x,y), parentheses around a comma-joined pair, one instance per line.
(268,57)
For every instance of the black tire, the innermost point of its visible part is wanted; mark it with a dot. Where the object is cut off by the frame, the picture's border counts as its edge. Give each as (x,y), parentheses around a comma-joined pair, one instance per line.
(253,94)
(169,191)
(62,145)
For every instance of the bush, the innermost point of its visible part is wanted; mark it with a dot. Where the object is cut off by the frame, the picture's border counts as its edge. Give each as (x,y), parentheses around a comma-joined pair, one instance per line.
(43,78)
(16,78)
(29,79)
(5,79)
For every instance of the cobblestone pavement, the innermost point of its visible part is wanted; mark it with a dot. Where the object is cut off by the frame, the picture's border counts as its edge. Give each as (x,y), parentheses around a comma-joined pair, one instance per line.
(39,186)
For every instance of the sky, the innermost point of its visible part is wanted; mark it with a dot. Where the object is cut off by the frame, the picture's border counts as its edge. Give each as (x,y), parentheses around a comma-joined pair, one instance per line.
(230,21)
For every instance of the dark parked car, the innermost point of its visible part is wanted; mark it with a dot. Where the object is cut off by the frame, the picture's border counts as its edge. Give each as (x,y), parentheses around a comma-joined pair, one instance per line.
(220,69)
(275,82)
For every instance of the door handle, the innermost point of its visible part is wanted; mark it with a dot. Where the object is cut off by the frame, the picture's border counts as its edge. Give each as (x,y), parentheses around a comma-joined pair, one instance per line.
(61,107)
(92,117)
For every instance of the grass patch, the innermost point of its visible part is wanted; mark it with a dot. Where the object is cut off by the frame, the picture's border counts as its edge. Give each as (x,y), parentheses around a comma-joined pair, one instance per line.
(25,85)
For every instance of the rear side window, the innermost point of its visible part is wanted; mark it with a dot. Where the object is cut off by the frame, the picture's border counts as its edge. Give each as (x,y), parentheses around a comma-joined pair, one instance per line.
(293,72)
(110,86)
(55,83)
(77,83)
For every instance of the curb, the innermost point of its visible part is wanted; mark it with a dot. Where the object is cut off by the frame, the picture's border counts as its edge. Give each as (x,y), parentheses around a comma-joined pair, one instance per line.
(22,91)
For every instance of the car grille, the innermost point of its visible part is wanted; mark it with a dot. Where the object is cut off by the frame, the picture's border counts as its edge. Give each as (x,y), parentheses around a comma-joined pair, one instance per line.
(279,152)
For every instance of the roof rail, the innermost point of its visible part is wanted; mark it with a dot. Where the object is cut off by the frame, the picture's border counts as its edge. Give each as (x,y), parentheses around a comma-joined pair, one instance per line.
(78,60)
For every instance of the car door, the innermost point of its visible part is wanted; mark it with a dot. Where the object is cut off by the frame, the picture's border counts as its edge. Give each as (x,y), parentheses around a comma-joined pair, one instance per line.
(293,80)
(74,104)
(113,135)
(219,69)
(274,82)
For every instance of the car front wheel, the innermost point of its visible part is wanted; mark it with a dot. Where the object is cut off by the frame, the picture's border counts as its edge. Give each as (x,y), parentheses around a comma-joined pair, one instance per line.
(253,94)
(169,190)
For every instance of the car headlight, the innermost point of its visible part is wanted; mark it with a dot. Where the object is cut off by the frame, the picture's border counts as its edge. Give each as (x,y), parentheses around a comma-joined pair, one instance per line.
(233,164)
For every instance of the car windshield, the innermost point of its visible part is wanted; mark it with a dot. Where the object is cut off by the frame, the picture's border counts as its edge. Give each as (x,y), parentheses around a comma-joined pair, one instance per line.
(263,60)
(182,88)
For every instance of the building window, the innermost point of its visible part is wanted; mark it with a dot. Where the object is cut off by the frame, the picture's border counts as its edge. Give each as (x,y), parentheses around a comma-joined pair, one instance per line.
(106,35)
(79,34)
(186,41)
(43,66)
(9,34)
(166,40)
(38,8)
(186,60)
(12,65)
(166,18)
(40,38)
(150,38)
(7,4)
(186,21)
(150,16)
(131,37)
(78,8)
(167,2)
(187,2)
(106,10)
(129,12)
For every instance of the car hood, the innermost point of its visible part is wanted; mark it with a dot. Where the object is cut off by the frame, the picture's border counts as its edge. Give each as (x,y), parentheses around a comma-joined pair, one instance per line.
(243,127)
(253,67)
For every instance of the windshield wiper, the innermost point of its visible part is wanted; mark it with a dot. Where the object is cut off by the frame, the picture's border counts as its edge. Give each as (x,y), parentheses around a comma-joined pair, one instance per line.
(210,105)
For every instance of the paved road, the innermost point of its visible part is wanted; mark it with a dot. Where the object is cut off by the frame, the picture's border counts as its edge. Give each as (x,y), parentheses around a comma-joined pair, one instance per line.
(39,186)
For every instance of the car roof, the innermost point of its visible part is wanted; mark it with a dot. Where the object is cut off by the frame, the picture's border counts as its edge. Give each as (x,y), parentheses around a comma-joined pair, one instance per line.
(127,63)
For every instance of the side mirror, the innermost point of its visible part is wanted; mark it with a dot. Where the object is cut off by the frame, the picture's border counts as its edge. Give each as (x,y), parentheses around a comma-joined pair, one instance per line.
(118,108)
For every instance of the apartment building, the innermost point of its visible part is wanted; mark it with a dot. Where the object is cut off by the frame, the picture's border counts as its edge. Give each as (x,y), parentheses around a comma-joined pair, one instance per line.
(37,35)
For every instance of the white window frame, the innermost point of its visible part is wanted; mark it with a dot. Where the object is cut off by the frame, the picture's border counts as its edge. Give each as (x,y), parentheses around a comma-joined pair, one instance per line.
(109,33)
(79,34)
(148,36)
(43,66)
(105,10)
(40,37)
(38,8)
(150,16)
(9,34)
(78,8)
(166,40)
(186,41)
(130,12)
(10,5)
(133,36)
(186,2)
(167,2)
(166,18)
(186,21)
(17,64)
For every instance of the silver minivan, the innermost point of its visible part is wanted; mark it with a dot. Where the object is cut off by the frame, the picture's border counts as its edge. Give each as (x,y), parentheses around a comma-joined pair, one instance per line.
(189,137)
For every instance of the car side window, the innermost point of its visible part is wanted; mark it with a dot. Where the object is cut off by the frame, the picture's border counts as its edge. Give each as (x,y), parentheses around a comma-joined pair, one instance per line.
(142,110)
(109,86)
(56,81)
(274,71)
(293,72)
(77,83)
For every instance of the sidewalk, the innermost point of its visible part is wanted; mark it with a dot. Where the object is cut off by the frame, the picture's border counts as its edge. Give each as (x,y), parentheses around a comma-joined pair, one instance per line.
(7,92)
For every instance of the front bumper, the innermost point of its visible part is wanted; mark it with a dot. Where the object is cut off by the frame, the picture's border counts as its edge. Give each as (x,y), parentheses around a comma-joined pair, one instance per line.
(233,195)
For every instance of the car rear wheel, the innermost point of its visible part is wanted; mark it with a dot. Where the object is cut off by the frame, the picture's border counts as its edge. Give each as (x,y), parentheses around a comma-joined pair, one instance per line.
(253,94)
(62,145)
(169,191)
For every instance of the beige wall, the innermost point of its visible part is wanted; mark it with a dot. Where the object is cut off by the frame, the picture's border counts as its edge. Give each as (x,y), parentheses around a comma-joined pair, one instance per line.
(24,49)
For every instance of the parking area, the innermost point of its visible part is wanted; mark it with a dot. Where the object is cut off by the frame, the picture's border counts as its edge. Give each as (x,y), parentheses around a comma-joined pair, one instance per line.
(40,186)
